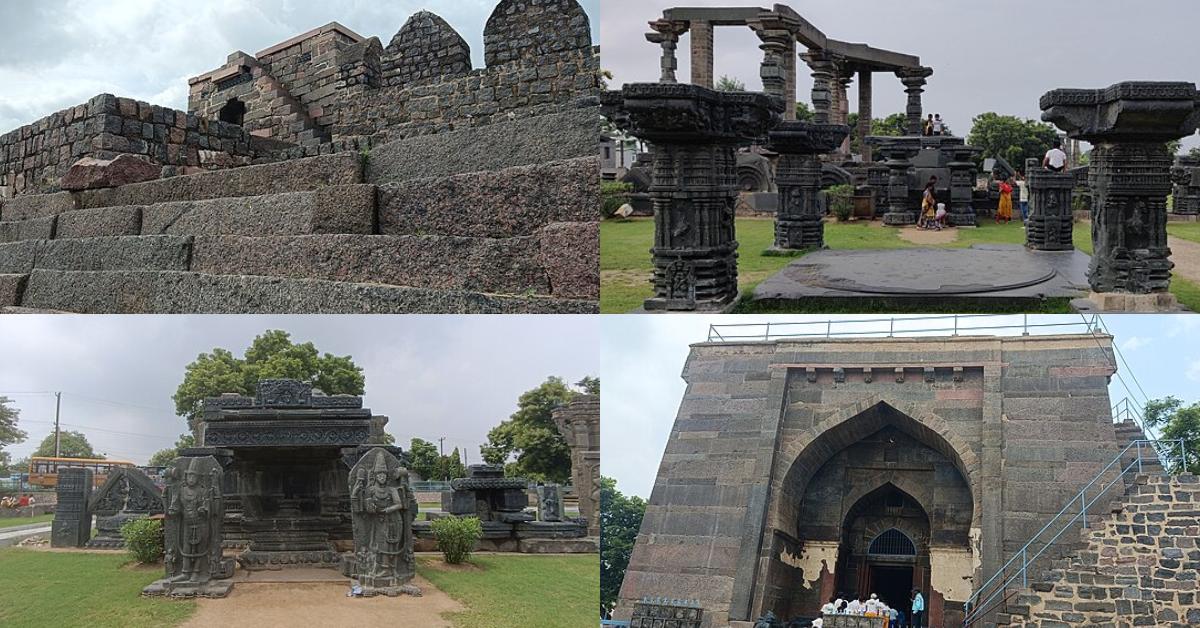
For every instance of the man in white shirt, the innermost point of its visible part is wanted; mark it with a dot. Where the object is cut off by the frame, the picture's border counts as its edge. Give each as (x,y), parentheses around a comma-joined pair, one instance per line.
(830,607)
(872,604)
(938,125)
(1055,158)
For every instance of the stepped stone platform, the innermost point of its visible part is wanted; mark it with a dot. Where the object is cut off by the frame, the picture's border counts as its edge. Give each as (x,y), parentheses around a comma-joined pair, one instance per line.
(983,274)
(309,236)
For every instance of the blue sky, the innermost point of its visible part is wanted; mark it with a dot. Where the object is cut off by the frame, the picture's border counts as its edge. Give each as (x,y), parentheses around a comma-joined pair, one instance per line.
(642,358)
(56,54)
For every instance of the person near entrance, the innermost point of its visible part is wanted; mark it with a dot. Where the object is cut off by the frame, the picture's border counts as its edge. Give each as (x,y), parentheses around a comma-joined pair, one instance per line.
(918,608)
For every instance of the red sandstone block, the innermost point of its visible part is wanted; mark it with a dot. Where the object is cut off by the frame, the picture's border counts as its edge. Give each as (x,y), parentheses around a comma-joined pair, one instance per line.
(969,395)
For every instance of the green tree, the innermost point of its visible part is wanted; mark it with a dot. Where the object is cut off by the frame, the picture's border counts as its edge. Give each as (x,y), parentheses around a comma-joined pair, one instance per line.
(451,466)
(272,355)
(727,84)
(620,520)
(1010,137)
(1195,152)
(9,433)
(1175,421)
(895,125)
(531,435)
(804,113)
(423,459)
(70,445)
(164,457)
(589,385)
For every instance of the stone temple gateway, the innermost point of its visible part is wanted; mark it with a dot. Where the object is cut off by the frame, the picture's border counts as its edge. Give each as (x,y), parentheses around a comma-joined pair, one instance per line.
(797,469)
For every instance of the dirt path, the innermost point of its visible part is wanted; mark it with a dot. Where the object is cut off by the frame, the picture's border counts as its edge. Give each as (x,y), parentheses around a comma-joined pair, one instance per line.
(322,604)
(1186,255)
(925,237)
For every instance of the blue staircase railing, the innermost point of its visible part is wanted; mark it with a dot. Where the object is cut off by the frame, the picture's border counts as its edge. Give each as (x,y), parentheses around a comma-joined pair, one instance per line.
(1170,454)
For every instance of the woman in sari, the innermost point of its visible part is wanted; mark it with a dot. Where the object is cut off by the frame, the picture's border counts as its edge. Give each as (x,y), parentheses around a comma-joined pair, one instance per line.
(929,207)
(1004,210)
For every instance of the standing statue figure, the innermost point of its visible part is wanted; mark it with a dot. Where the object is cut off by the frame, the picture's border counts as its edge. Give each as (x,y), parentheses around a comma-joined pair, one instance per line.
(381,505)
(192,531)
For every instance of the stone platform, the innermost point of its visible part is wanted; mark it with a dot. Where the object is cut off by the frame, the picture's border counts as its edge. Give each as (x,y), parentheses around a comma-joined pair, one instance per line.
(981,275)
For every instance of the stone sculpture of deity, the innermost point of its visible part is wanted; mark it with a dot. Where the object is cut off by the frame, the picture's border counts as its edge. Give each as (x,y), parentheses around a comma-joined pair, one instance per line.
(381,504)
(192,531)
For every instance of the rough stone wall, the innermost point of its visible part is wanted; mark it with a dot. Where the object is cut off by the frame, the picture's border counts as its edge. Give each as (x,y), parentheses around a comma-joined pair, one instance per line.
(524,28)
(1140,566)
(33,158)
(1024,421)
(425,48)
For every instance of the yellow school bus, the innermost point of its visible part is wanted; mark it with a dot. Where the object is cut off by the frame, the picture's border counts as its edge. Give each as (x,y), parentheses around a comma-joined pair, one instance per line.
(43,471)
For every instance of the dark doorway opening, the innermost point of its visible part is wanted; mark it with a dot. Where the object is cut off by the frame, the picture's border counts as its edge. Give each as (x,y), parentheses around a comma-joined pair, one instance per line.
(234,112)
(892,583)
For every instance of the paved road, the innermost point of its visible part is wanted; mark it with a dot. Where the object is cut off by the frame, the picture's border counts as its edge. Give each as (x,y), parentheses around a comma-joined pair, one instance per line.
(14,535)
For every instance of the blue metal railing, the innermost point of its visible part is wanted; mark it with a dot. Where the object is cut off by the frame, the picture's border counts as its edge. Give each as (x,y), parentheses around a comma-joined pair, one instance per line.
(1144,452)
(953,324)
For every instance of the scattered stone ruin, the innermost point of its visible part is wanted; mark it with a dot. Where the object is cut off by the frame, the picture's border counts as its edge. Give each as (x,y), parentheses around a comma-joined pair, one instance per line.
(126,495)
(797,469)
(579,422)
(327,174)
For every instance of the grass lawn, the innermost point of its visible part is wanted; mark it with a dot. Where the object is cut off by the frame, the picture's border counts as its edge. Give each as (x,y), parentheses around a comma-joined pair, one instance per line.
(521,590)
(1185,230)
(78,590)
(626,268)
(10,522)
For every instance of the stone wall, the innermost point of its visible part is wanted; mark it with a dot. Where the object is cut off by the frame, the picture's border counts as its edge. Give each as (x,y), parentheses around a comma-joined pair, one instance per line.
(33,158)
(425,49)
(1140,566)
(1000,434)
(530,28)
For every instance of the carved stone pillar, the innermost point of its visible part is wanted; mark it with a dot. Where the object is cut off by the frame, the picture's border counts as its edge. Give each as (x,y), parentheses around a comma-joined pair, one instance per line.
(779,47)
(1186,193)
(72,525)
(695,132)
(1128,124)
(1050,216)
(799,222)
(898,213)
(702,54)
(579,423)
(845,78)
(962,181)
(822,91)
(666,34)
(864,114)
(914,84)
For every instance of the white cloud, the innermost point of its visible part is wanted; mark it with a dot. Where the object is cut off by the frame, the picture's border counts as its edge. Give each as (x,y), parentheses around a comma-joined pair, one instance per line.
(1134,343)
(1193,371)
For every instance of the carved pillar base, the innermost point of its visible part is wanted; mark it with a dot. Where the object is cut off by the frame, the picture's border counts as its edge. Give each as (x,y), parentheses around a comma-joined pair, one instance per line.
(695,132)
(1050,217)
(799,222)
(962,181)
(899,214)
(1129,125)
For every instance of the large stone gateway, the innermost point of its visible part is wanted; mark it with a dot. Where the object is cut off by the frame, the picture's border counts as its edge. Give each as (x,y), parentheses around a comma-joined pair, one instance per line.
(797,469)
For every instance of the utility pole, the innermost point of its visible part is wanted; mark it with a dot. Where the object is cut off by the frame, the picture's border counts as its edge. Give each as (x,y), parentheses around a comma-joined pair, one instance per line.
(57,407)
(442,458)
(442,446)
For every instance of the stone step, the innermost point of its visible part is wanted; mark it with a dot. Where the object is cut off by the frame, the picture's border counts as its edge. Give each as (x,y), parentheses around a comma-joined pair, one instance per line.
(334,209)
(503,266)
(132,292)
(163,252)
(496,146)
(506,203)
(300,175)
(31,229)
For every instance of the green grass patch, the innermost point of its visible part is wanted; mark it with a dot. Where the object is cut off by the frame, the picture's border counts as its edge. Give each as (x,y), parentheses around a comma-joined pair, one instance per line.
(10,522)
(1189,231)
(80,590)
(522,590)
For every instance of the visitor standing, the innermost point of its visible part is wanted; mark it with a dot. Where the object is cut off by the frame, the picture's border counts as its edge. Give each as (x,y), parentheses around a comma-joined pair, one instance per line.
(929,125)
(938,125)
(928,218)
(1055,158)
(1004,209)
(1023,197)
(830,607)
(918,608)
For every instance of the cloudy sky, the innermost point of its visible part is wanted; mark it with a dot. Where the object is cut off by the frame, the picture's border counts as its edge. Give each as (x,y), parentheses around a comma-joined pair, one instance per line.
(434,376)
(642,360)
(986,56)
(59,53)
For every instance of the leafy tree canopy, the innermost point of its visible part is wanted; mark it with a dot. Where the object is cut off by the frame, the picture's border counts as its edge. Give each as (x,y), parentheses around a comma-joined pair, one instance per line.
(272,355)
(620,520)
(70,445)
(164,457)
(530,434)
(804,113)
(423,459)
(9,433)
(1011,138)
(727,84)
(1176,421)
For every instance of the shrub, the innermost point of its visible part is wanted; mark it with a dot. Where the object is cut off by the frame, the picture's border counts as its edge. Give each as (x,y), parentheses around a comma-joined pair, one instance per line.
(456,537)
(841,203)
(144,539)
(613,194)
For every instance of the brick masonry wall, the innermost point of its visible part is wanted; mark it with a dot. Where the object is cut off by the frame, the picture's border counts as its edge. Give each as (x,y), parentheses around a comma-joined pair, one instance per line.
(33,158)
(524,28)
(1140,566)
(425,48)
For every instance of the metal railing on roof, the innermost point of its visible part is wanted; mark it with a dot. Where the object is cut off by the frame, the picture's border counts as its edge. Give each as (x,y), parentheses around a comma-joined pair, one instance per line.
(951,324)
(993,593)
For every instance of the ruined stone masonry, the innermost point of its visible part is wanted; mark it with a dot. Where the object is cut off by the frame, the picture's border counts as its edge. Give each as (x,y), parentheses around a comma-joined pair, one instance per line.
(328,174)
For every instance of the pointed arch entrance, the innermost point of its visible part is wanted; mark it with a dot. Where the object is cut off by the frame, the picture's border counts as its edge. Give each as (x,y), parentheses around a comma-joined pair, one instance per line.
(861,476)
